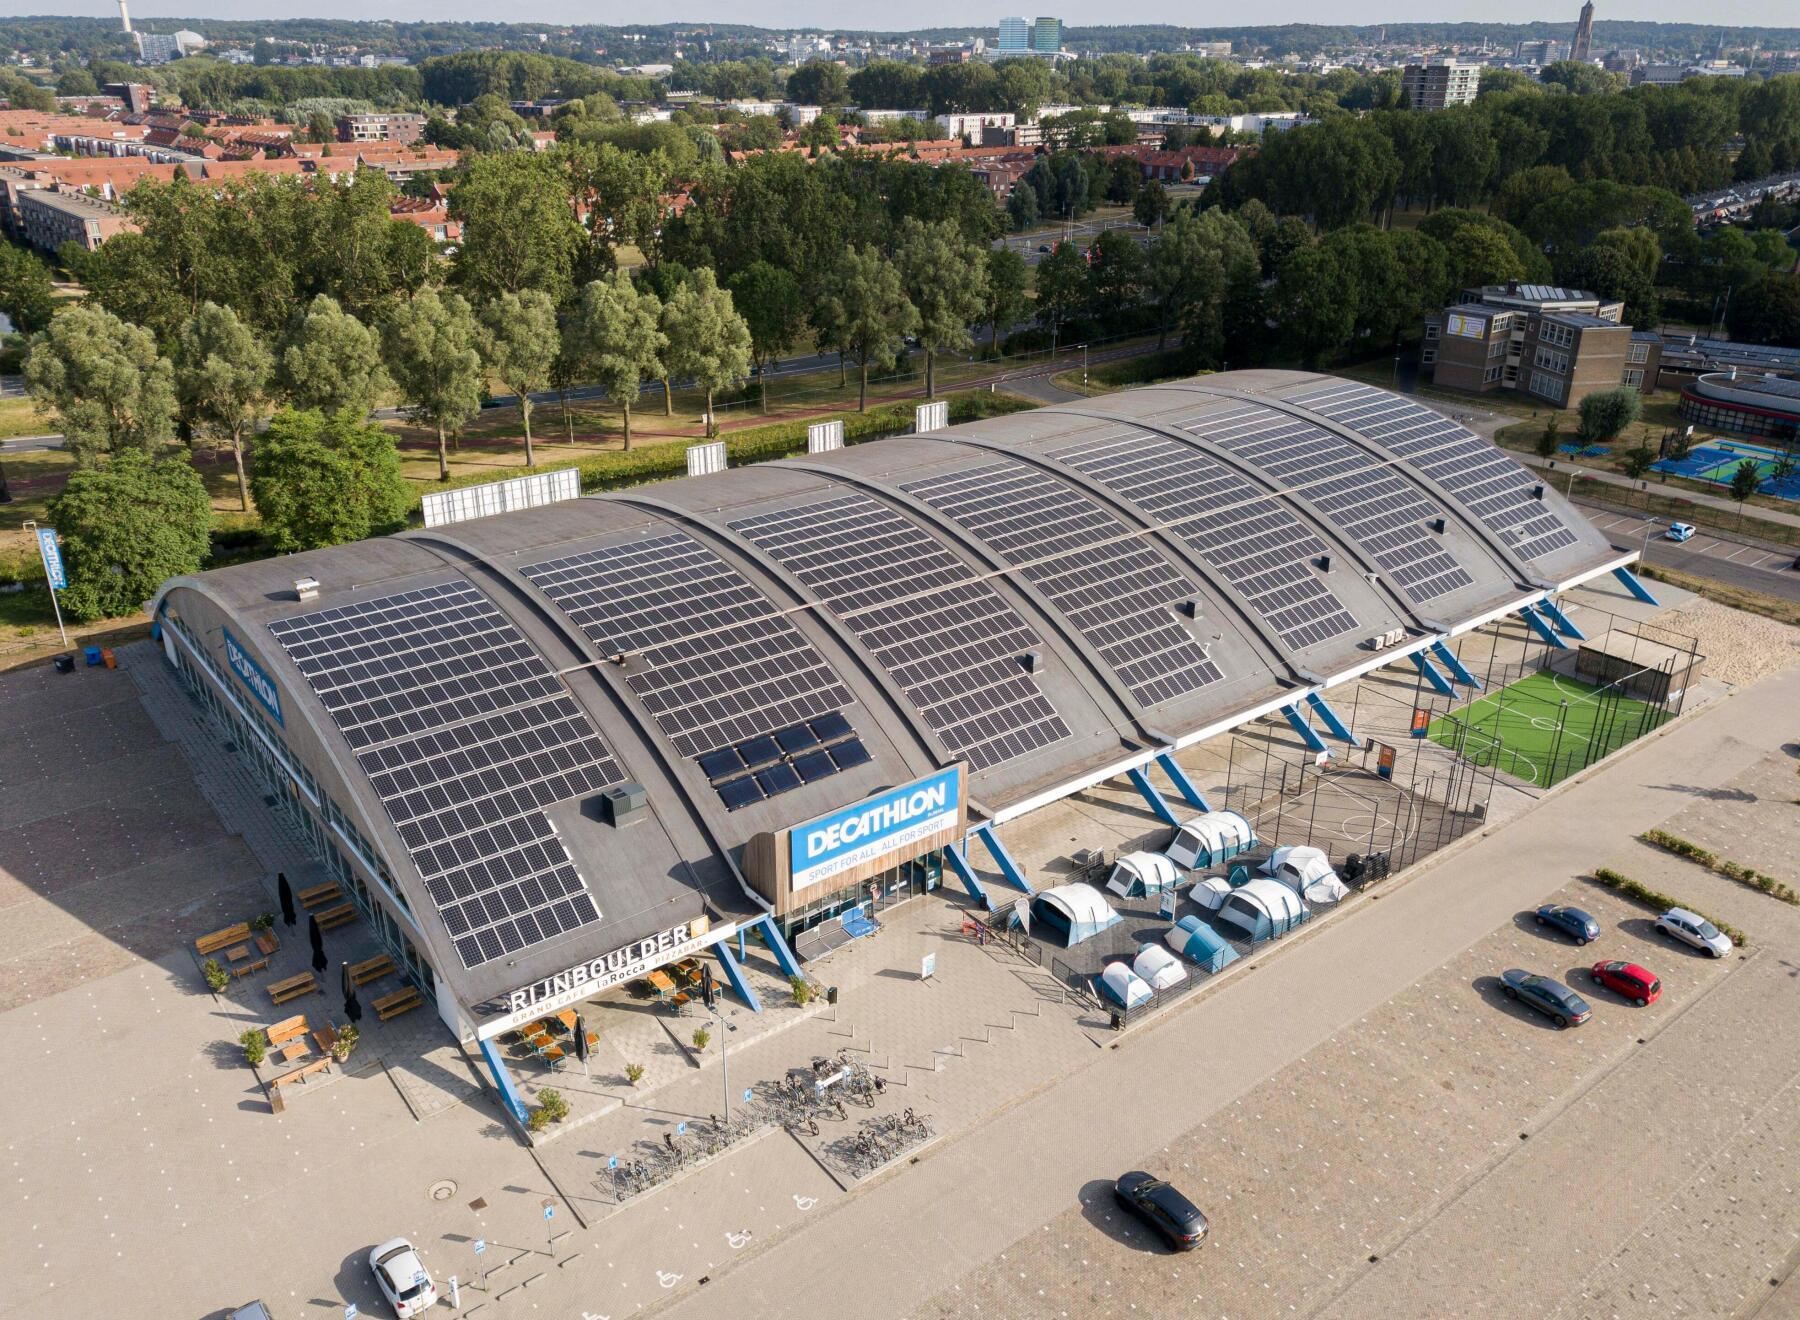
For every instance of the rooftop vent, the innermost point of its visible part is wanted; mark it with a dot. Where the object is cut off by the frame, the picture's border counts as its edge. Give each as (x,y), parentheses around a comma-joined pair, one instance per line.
(1537,491)
(1032,661)
(306,588)
(1188,608)
(1439,525)
(1324,562)
(624,804)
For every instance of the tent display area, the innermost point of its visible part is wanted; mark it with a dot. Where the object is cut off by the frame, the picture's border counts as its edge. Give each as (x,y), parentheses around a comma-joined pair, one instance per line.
(1200,944)
(1161,969)
(1075,912)
(1307,871)
(1210,839)
(1264,909)
(1136,874)
(1124,987)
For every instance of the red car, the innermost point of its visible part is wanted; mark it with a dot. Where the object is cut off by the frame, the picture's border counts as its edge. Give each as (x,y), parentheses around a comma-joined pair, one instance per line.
(1628,979)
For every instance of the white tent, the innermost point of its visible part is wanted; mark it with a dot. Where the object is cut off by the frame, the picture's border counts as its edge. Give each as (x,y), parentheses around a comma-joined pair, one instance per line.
(1211,892)
(1076,912)
(1210,839)
(1263,909)
(1199,943)
(1307,871)
(1124,986)
(1139,873)
(1159,967)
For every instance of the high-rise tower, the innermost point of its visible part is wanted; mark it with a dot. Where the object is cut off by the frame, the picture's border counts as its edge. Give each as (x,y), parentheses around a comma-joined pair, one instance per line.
(1582,46)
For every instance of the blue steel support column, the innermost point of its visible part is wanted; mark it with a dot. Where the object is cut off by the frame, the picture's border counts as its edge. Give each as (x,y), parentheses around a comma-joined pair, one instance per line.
(966,873)
(1634,586)
(740,984)
(1301,727)
(1564,625)
(778,947)
(509,1094)
(1147,790)
(1437,680)
(1003,859)
(1332,720)
(1457,669)
(1183,785)
(742,956)
(1542,629)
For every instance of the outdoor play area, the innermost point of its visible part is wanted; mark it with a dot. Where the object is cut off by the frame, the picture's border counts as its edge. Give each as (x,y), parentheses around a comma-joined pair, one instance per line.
(1545,727)
(1716,460)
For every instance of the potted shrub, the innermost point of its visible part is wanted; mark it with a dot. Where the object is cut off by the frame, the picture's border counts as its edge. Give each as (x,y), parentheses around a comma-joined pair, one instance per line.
(263,921)
(347,1037)
(538,1119)
(802,991)
(217,978)
(256,1046)
(553,1104)
(702,1037)
(634,1073)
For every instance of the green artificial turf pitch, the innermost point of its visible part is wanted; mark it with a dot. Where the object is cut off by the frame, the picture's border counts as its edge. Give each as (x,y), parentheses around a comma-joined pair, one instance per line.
(1518,727)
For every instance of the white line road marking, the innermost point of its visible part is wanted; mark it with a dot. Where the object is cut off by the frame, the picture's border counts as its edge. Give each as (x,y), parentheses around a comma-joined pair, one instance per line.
(1774,563)
(1732,557)
(805,1202)
(738,1241)
(668,1280)
(1704,547)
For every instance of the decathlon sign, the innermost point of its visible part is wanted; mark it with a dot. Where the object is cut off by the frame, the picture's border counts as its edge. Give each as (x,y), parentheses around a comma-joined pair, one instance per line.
(253,676)
(874,827)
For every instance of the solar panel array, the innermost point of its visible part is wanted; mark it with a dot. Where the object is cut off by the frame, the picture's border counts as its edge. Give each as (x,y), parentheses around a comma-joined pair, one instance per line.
(771,764)
(711,658)
(948,638)
(1370,502)
(1110,584)
(466,735)
(1254,541)
(1492,486)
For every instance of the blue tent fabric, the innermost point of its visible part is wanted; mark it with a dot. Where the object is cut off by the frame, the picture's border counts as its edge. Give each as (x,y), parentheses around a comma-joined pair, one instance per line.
(1199,943)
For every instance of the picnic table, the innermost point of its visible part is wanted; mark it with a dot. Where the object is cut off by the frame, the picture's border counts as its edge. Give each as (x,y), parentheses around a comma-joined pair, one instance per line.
(660,983)
(292,988)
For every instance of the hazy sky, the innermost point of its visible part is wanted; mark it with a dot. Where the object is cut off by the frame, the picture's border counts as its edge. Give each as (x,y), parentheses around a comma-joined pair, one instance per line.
(921,13)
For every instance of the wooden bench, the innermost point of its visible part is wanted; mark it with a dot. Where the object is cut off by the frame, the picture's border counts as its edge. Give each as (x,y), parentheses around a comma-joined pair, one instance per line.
(292,988)
(220,939)
(285,1030)
(301,1073)
(245,968)
(401,1001)
(341,915)
(266,942)
(319,895)
(371,969)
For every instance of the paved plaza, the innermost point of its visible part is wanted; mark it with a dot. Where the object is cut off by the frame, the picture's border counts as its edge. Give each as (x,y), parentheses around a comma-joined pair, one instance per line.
(1355,1091)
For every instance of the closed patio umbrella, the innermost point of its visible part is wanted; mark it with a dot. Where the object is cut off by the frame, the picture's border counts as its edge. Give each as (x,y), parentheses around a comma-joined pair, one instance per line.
(319,961)
(581,1043)
(287,898)
(352,1005)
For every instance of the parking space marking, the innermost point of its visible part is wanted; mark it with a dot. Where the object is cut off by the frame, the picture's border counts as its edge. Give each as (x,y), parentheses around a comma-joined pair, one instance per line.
(1732,557)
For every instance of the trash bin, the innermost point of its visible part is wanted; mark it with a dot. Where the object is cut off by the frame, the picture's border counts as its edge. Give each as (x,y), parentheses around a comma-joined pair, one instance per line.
(108,658)
(831,994)
(65,664)
(92,655)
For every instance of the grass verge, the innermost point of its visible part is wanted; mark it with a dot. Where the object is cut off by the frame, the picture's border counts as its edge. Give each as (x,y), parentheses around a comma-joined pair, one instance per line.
(1703,857)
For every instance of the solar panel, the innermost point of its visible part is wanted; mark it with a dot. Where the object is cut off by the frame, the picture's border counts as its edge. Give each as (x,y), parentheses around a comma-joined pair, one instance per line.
(777,779)
(1367,499)
(758,752)
(722,764)
(947,637)
(466,736)
(830,728)
(740,793)
(797,739)
(711,658)
(1489,484)
(848,754)
(1110,584)
(814,766)
(1250,538)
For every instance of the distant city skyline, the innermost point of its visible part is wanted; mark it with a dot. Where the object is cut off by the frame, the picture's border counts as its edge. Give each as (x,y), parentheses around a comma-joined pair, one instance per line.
(922,14)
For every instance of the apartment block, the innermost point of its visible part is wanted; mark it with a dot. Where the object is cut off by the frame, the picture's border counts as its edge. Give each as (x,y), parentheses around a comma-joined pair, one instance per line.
(381,128)
(1557,345)
(47,220)
(1440,84)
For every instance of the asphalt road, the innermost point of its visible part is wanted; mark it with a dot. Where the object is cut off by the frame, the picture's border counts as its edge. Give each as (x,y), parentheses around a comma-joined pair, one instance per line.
(1081,233)
(1750,565)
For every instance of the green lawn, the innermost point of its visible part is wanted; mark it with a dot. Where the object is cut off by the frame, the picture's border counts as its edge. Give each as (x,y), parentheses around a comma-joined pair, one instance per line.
(1545,727)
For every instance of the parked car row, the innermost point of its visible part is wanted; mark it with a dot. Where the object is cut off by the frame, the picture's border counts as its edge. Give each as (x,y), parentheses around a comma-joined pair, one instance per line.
(1639,984)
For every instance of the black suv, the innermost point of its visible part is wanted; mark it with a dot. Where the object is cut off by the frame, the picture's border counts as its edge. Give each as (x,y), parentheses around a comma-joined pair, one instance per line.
(1164,1209)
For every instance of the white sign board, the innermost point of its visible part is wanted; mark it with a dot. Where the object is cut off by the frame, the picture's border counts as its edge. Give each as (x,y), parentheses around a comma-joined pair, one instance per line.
(1166,908)
(702,460)
(931,417)
(442,507)
(927,965)
(822,437)
(885,823)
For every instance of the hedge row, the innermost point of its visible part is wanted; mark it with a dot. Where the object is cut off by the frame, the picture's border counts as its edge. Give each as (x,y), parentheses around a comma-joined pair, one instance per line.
(619,468)
(1744,875)
(1661,902)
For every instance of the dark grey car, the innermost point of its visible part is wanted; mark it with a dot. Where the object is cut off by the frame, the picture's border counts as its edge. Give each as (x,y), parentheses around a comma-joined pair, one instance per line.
(1551,998)
(1176,1219)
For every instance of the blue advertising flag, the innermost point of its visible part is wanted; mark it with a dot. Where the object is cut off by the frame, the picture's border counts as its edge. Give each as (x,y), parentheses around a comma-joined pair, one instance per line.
(51,553)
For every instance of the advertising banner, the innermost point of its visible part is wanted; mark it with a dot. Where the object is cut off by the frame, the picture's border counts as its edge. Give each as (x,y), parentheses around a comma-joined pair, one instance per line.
(873,827)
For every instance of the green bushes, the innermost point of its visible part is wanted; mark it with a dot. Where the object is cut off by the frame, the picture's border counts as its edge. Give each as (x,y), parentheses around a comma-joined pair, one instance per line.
(1744,875)
(217,978)
(1661,902)
(256,1046)
(551,1108)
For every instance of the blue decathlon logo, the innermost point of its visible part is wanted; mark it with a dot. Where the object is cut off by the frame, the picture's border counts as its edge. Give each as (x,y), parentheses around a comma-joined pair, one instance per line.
(834,844)
(51,553)
(253,676)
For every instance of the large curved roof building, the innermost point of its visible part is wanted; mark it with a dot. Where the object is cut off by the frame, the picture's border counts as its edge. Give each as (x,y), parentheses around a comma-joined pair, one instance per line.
(1026,605)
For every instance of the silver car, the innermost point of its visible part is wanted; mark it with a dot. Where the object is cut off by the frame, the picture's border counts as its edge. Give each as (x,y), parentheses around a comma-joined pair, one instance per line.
(1692,928)
(402,1278)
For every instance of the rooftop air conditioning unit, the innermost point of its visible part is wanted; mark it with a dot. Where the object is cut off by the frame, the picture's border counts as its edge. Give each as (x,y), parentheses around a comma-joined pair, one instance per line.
(624,804)
(1032,662)
(1438,525)
(306,588)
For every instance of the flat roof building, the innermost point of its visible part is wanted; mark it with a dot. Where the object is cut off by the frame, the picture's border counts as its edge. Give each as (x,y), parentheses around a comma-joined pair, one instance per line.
(386,127)
(1735,403)
(1440,84)
(1559,345)
(48,219)
(549,750)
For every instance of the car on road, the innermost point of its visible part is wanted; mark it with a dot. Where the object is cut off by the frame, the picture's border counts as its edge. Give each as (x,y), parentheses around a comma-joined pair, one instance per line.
(1044,249)
(1692,928)
(1571,921)
(1679,531)
(1174,1218)
(1638,984)
(1551,998)
(402,1278)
